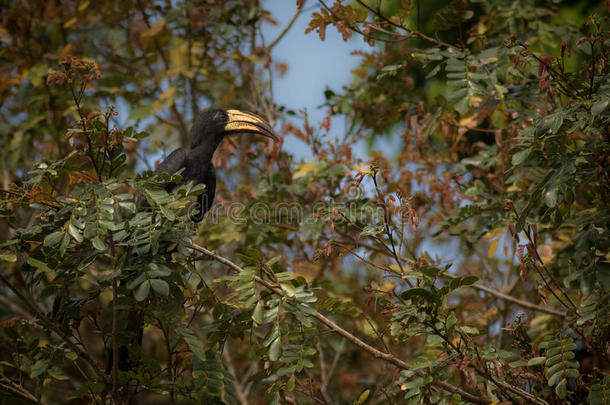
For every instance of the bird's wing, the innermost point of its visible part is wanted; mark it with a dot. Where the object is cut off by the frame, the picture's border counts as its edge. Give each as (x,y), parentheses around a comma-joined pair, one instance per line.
(174,162)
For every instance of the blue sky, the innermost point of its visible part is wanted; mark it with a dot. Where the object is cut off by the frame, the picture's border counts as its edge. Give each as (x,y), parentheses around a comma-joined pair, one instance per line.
(312,66)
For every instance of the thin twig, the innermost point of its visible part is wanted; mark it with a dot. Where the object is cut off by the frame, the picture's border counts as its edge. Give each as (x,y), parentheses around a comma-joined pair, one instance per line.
(287,27)
(389,357)
(8,385)
(33,310)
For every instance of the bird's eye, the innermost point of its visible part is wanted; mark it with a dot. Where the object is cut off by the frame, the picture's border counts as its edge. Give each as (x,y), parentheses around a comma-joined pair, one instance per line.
(220,116)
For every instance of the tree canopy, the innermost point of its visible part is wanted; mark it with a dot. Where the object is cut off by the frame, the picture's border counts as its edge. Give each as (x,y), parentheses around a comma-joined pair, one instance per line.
(468,265)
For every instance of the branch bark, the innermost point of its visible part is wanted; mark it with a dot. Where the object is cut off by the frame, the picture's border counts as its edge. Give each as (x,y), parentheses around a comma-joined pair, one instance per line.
(388,357)
(8,385)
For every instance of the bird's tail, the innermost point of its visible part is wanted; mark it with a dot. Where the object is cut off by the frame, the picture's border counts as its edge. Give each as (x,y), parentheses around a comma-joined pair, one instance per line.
(129,342)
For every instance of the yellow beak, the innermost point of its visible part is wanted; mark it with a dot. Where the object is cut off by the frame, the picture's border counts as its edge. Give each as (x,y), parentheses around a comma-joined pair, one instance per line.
(245,122)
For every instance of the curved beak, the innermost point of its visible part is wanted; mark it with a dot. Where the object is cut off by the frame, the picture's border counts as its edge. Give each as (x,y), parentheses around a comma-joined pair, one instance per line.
(241,122)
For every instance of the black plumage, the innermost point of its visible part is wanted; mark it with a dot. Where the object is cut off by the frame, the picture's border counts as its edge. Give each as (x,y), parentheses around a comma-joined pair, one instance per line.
(207,132)
(209,129)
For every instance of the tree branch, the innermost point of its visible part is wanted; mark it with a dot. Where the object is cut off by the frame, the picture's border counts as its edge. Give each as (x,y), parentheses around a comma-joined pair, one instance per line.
(8,385)
(390,358)
(506,297)
(287,27)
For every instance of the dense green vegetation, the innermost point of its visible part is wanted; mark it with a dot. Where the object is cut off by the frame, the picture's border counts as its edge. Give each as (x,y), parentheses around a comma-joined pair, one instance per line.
(469,265)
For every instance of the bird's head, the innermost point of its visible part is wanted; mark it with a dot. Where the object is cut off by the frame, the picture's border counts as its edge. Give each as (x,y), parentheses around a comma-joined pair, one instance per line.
(213,125)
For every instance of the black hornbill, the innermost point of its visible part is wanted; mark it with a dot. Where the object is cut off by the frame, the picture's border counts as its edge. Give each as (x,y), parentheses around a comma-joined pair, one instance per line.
(208,130)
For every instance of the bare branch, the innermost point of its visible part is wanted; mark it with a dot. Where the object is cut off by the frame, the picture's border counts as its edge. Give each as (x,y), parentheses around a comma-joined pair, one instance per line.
(287,27)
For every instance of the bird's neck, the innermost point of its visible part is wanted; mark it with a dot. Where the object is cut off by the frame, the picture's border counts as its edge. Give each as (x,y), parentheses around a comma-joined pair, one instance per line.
(205,151)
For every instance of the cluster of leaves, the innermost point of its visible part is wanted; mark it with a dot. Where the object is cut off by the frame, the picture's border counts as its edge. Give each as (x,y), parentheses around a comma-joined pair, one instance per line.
(504,120)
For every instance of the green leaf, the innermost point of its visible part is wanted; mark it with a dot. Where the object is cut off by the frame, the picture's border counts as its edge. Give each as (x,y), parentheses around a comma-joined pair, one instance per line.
(288,289)
(142,292)
(75,233)
(136,281)
(418,292)
(275,349)
(39,367)
(290,383)
(536,361)
(124,197)
(554,379)
(471,330)
(39,265)
(57,375)
(550,197)
(469,280)
(71,356)
(519,157)
(561,389)
(282,371)
(98,243)
(451,321)
(53,239)
(159,196)
(273,260)
(257,314)
(371,230)
(8,257)
(128,207)
(160,286)
(599,107)
(434,71)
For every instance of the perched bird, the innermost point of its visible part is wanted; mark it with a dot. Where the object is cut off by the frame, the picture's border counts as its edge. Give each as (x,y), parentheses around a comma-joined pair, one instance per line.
(207,132)
(209,129)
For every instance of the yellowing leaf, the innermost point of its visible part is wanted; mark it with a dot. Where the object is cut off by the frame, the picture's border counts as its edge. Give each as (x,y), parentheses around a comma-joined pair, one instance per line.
(83,6)
(364,396)
(475,101)
(167,95)
(67,49)
(156,106)
(4,35)
(178,57)
(387,287)
(467,121)
(494,232)
(360,167)
(155,29)
(9,257)
(303,171)
(70,22)
(493,246)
